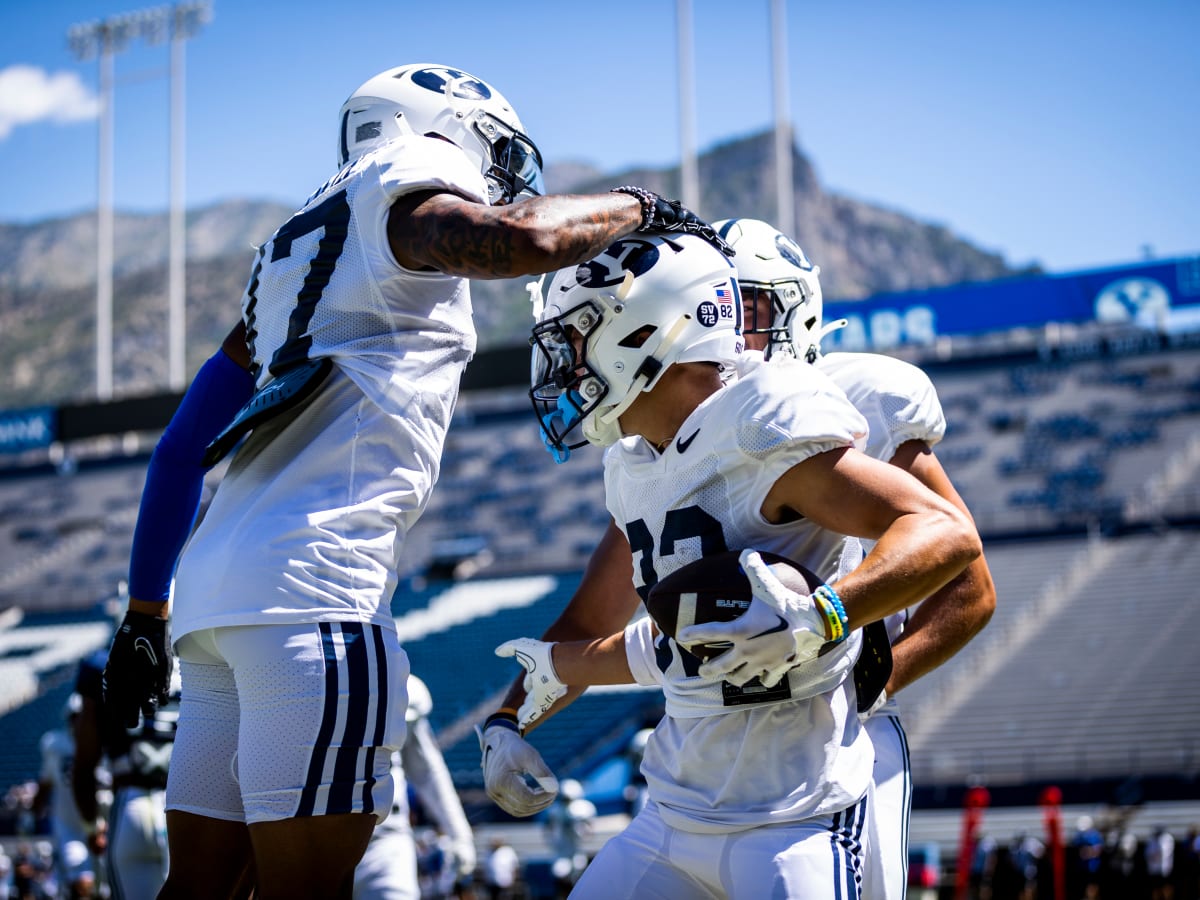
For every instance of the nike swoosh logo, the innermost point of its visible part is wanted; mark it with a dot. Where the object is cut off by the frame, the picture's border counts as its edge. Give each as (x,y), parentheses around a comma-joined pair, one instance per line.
(144,645)
(780,627)
(681,445)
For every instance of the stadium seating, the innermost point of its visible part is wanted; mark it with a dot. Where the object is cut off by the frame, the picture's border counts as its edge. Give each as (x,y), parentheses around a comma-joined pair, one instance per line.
(1082,476)
(1086,670)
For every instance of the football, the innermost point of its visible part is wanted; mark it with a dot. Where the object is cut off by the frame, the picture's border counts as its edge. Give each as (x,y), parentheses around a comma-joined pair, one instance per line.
(715,589)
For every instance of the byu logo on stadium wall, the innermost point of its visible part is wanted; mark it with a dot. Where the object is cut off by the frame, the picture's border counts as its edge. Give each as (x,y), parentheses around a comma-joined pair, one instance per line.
(1133,300)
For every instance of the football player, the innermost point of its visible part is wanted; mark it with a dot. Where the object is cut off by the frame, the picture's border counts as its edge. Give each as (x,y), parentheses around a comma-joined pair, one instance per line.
(138,760)
(357,326)
(782,309)
(782,305)
(74,867)
(759,774)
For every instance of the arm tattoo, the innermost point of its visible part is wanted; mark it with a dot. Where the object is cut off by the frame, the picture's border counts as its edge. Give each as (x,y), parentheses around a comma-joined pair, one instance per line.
(476,241)
(459,244)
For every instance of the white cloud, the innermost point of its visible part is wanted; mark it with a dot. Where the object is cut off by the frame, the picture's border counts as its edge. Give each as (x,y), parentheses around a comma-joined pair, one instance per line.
(29,94)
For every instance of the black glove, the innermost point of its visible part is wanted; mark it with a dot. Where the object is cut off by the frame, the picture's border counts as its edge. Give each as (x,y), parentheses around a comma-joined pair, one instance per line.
(660,214)
(137,676)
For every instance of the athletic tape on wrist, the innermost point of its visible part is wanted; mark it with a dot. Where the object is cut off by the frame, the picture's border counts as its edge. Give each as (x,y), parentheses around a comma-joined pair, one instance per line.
(830,606)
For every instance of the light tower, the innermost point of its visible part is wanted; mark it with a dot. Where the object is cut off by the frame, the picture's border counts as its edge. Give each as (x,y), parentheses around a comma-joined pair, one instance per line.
(186,21)
(785,195)
(103,40)
(689,172)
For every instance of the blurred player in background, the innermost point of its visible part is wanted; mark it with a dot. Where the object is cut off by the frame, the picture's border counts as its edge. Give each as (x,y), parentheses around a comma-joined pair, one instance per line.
(138,760)
(637,347)
(570,821)
(357,323)
(388,869)
(74,865)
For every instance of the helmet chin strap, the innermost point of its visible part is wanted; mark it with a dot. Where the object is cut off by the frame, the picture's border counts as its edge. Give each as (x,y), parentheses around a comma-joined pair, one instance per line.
(814,349)
(649,369)
(831,327)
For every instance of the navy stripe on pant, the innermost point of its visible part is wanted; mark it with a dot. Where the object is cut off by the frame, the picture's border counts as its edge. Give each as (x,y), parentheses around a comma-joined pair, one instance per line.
(363,650)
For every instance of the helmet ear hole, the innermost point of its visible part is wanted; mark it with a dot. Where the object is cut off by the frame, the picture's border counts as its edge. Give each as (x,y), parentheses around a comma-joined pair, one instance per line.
(637,338)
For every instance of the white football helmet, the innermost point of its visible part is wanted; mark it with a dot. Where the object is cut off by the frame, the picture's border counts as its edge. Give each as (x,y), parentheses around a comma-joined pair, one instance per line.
(612,325)
(425,99)
(768,260)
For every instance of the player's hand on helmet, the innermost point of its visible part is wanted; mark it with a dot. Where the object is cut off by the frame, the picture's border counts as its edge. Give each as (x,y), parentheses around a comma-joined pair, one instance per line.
(507,761)
(542,684)
(662,215)
(137,675)
(779,630)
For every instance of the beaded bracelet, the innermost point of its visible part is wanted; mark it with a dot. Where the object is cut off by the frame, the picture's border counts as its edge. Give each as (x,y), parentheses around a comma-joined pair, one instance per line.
(830,605)
(644,197)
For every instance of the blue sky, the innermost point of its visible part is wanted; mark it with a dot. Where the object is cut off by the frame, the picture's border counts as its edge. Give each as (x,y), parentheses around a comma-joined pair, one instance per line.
(1060,131)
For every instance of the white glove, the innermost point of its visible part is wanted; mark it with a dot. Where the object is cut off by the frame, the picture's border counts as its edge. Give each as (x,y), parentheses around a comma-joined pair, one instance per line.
(779,630)
(507,759)
(463,850)
(542,685)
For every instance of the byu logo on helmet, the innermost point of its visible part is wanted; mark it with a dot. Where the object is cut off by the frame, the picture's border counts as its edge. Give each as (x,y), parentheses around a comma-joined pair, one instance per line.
(791,251)
(632,312)
(609,268)
(454,82)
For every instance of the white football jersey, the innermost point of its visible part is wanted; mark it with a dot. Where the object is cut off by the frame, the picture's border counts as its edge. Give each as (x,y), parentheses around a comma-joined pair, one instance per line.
(900,405)
(898,401)
(726,759)
(308,522)
(326,283)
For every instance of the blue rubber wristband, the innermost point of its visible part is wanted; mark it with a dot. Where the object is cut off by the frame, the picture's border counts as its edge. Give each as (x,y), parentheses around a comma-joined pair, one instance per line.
(830,605)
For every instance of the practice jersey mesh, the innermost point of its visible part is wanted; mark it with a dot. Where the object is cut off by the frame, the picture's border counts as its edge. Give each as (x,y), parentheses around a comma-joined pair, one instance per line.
(725,759)
(327,285)
(900,404)
(310,518)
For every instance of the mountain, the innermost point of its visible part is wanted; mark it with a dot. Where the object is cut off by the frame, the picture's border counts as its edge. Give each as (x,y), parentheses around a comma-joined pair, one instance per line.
(47,287)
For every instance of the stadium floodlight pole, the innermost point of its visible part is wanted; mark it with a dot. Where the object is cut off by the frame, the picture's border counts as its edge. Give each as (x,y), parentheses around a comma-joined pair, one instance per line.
(103,40)
(186,20)
(785,195)
(689,174)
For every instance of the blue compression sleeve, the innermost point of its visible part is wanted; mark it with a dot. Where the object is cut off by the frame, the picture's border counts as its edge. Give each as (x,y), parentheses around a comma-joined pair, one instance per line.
(175,476)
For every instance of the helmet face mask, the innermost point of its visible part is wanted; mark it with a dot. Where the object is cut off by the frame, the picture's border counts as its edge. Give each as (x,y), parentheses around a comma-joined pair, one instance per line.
(516,169)
(440,101)
(772,265)
(612,325)
(564,387)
